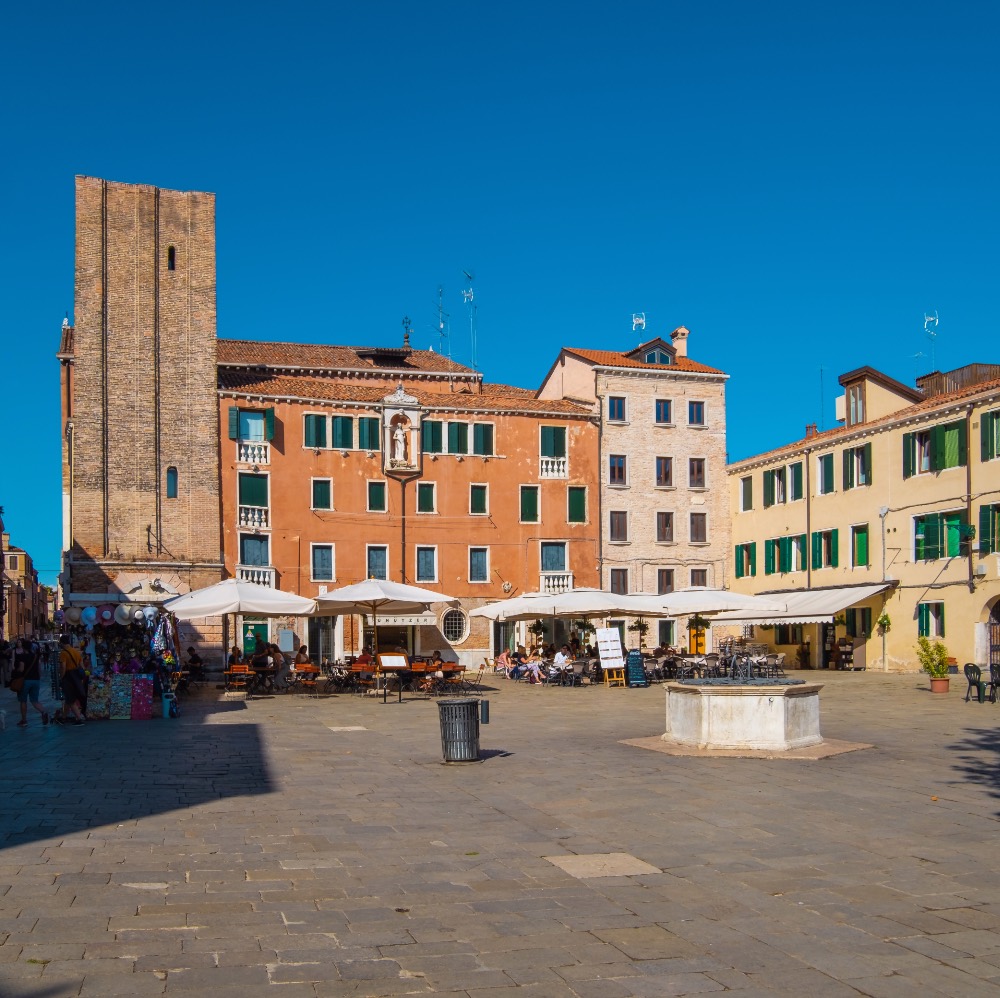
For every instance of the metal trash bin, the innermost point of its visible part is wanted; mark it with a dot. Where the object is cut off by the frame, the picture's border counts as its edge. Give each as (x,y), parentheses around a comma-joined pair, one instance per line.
(459,729)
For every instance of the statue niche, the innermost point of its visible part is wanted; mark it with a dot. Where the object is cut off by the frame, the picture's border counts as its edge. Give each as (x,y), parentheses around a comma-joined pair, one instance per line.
(399,442)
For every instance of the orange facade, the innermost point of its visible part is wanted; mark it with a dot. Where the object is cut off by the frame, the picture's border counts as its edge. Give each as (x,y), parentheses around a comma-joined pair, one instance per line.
(331,475)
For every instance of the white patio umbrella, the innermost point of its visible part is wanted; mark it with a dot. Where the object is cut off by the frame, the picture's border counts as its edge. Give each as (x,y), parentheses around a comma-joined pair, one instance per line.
(572,603)
(699,600)
(237,596)
(375,596)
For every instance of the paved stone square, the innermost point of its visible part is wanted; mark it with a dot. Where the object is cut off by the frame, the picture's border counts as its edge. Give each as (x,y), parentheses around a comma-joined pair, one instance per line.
(293,846)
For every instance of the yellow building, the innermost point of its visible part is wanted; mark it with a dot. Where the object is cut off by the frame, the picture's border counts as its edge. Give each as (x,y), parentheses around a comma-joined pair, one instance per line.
(892,517)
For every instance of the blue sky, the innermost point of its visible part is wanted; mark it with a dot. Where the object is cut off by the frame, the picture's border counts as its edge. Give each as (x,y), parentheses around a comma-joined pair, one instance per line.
(796,183)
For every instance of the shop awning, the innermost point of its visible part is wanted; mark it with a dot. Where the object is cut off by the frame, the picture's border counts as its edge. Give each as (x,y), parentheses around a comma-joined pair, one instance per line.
(807,606)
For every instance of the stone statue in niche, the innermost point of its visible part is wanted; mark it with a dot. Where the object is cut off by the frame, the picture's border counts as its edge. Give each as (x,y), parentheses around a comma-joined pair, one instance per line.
(398,456)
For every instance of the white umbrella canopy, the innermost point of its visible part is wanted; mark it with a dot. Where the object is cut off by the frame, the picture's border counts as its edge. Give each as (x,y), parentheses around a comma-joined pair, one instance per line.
(699,600)
(572,603)
(237,596)
(379,596)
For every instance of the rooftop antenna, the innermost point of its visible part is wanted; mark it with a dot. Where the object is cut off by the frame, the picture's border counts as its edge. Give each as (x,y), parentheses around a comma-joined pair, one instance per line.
(916,364)
(822,402)
(930,328)
(638,321)
(443,331)
(469,297)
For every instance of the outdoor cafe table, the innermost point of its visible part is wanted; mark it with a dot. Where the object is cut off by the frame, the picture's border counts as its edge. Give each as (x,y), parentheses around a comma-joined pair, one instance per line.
(263,678)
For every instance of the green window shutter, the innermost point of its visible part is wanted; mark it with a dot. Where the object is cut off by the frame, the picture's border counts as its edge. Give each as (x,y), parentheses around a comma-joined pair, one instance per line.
(430,436)
(559,440)
(482,439)
(529,503)
(868,463)
(785,554)
(851,618)
(817,549)
(951,534)
(862,547)
(343,433)
(477,498)
(739,561)
(909,454)
(269,424)
(934,536)
(315,431)
(548,445)
(425,498)
(748,492)
(827,473)
(753,557)
(253,490)
(848,469)
(834,547)
(234,422)
(768,489)
(941,620)
(321,494)
(376,497)
(963,444)
(769,557)
(923,620)
(937,448)
(987,522)
(920,538)
(576,504)
(458,438)
(796,480)
(368,435)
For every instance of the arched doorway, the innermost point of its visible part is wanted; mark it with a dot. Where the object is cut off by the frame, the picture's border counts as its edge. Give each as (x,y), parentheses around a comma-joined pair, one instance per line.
(994,634)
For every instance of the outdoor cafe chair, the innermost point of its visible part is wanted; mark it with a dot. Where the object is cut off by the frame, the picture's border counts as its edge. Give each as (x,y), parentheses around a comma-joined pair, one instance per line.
(238,681)
(994,685)
(684,668)
(711,666)
(975,677)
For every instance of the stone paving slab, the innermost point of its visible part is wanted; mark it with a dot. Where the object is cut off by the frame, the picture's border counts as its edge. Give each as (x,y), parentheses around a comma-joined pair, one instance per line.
(293,846)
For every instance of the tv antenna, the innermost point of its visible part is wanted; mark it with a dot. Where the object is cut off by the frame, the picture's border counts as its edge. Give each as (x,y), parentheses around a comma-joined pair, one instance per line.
(469,297)
(638,321)
(443,330)
(930,328)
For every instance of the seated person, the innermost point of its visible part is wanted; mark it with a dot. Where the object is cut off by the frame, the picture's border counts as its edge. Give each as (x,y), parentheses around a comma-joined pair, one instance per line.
(235,656)
(195,666)
(533,668)
(504,663)
(436,661)
(365,658)
(518,660)
(283,677)
(562,657)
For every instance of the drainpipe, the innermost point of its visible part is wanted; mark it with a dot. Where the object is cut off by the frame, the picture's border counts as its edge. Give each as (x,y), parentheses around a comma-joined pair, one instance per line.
(402,514)
(807,554)
(883,513)
(968,498)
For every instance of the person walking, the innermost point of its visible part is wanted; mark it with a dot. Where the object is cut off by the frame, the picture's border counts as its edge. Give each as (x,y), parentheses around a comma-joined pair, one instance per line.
(27,679)
(71,679)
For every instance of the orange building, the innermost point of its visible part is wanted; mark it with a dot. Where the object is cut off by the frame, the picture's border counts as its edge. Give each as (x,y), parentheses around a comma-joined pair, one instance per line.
(342,463)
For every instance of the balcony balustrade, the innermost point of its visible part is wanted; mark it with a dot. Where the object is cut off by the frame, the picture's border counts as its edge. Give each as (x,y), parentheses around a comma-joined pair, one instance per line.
(261,575)
(556,582)
(553,467)
(253,452)
(254,516)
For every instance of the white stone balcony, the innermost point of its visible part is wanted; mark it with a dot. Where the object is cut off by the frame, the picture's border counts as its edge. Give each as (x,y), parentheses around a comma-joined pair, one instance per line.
(553,467)
(254,516)
(253,452)
(261,575)
(556,582)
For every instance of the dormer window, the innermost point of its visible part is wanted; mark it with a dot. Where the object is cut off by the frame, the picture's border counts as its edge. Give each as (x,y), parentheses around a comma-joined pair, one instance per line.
(657,356)
(855,404)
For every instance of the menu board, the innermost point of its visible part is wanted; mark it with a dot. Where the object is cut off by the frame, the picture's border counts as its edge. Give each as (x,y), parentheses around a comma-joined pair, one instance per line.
(609,647)
(635,673)
(393,661)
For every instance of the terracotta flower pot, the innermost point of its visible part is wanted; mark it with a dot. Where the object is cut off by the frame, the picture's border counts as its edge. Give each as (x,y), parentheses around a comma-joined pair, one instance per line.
(939,685)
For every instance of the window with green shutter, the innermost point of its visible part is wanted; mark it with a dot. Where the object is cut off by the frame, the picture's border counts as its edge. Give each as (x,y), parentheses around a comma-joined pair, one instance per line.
(909,455)
(368,433)
(795,481)
(376,497)
(930,620)
(343,433)
(784,554)
(458,438)
(252,490)
(989,435)
(314,430)
(431,436)
(948,446)
(250,425)
(553,441)
(482,439)
(529,504)
(322,562)
(769,559)
(859,546)
(425,497)
(825,544)
(477,499)
(989,529)
(768,489)
(576,504)
(826,484)
(322,497)
(746,493)
(746,560)
(848,479)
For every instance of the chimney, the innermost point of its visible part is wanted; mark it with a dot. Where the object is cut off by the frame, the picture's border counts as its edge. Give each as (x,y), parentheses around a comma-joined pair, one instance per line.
(679,338)
(811,430)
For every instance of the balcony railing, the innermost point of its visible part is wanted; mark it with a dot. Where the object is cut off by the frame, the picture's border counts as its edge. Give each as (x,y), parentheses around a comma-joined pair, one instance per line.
(253,452)
(254,516)
(261,575)
(552,467)
(556,582)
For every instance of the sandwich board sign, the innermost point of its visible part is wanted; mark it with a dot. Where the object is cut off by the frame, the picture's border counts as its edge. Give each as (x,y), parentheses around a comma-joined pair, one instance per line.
(609,647)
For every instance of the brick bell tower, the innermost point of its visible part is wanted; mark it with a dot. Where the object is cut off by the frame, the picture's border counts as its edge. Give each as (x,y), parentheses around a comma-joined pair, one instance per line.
(140,400)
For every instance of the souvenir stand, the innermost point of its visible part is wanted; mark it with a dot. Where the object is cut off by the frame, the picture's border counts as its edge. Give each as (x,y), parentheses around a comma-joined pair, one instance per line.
(129,653)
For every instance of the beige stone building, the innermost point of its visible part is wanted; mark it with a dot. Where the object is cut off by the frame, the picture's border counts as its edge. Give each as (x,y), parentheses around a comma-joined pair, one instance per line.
(663,502)
(894,514)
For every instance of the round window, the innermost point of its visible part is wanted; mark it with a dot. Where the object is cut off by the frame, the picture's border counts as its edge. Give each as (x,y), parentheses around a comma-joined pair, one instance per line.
(454,626)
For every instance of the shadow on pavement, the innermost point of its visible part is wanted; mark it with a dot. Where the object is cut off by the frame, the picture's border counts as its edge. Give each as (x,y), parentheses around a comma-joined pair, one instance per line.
(978,756)
(62,779)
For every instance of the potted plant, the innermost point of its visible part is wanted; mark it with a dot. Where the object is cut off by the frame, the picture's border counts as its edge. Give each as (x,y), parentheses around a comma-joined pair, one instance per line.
(933,658)
(884,624)
(639,626)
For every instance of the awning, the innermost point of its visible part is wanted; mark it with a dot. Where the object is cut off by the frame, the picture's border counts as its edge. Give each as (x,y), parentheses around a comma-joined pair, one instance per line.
(807,606)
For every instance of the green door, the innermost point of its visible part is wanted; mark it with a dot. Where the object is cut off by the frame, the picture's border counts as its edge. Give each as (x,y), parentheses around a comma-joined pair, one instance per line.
(254,632)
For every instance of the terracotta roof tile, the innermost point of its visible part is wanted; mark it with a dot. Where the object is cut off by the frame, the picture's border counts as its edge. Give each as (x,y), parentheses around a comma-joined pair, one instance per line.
(501,398)
(322,356)
(611,358)
(906,412)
